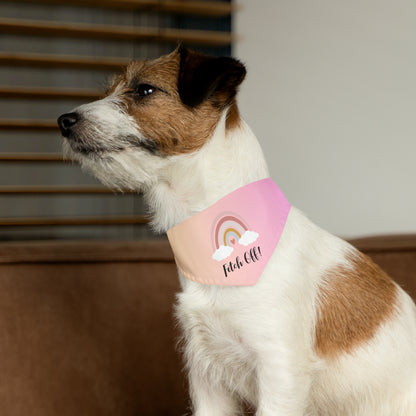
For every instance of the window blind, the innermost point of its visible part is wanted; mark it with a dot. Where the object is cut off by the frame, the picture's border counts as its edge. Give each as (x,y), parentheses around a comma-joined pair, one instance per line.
(56,55)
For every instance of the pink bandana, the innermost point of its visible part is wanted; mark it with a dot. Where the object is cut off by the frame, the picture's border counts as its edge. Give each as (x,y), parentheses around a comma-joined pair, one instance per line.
(231,242)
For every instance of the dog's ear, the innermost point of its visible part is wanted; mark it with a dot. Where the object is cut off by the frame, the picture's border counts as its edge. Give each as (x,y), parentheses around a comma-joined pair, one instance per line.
(202,77)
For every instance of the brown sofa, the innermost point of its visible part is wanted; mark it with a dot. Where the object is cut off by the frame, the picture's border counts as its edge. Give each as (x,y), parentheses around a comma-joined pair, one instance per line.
(86,328)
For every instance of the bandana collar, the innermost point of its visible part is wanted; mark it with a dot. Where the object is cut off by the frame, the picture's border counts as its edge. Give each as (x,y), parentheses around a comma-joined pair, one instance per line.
(231,242)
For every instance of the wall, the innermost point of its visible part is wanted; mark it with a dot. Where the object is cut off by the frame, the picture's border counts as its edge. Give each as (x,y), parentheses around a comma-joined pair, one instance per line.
(331,95)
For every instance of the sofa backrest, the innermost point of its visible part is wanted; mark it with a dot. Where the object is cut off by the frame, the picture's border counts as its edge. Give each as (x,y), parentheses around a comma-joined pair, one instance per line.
(87,329)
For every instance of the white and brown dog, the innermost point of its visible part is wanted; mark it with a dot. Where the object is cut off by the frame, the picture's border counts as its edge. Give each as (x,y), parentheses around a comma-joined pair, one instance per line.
(324,331)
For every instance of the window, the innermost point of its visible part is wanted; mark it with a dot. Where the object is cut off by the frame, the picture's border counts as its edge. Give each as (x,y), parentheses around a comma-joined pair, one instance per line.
(56,55)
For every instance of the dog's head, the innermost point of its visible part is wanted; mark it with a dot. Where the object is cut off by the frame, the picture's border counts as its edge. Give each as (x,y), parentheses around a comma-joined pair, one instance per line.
(156,110)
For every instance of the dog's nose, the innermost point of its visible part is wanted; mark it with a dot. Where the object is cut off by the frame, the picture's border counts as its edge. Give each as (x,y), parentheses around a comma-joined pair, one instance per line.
(66,122)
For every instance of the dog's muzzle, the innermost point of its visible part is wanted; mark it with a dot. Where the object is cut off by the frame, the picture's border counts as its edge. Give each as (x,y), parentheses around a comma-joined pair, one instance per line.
(67,122)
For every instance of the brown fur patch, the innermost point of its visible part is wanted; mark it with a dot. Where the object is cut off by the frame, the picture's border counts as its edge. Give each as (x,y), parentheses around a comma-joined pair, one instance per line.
(353,302)
(233,116)
(163,119)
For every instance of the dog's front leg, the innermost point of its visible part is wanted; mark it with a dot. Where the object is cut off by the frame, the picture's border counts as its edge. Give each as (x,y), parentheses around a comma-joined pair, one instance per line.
(209,399)
(283,386)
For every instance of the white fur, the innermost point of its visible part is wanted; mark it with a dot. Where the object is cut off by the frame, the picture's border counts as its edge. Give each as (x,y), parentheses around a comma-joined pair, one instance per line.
(257,343)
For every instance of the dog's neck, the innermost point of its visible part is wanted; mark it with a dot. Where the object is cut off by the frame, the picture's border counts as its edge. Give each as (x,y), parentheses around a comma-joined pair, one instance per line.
(191,183)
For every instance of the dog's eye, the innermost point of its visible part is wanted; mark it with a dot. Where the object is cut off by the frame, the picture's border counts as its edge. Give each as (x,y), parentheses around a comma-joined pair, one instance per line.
(143,90)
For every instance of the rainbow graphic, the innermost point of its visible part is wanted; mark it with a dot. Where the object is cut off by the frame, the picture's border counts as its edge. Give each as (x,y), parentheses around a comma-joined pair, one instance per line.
(229,231)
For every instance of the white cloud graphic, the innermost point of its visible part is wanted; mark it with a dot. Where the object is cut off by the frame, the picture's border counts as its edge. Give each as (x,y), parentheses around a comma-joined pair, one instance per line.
(248,237)
(222,253)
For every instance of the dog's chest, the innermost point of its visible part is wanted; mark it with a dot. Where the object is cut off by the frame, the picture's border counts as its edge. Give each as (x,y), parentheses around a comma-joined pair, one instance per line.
(214,344)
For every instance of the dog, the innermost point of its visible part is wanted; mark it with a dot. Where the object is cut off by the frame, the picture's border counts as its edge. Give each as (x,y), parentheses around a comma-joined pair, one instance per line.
(324,331)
